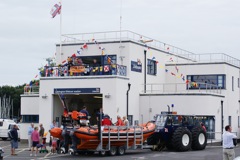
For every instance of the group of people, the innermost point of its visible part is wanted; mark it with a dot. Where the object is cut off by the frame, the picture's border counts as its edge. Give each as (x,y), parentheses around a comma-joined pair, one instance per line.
(106,120)
(35,137)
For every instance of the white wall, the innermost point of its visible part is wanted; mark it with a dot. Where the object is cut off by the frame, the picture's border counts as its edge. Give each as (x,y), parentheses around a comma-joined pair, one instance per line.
(29,106)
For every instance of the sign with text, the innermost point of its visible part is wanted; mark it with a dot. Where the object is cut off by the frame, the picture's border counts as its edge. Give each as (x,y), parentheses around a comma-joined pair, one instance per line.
(136,67)
(76,90)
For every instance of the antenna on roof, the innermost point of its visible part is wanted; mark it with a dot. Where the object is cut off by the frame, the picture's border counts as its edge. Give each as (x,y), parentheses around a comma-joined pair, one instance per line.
(121,47)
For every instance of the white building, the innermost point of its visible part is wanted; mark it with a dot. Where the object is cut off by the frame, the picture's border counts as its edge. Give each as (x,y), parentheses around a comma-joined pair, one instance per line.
(205,84)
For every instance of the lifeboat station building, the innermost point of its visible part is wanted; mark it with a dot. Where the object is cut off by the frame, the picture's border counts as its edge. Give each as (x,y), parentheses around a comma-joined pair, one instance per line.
(127,73)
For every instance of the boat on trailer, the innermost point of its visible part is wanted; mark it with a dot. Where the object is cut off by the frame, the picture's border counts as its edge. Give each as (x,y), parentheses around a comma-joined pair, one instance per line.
(111,139)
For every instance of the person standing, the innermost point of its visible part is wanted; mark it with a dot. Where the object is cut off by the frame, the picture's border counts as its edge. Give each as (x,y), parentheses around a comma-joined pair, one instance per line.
(35,140)
(14,139)
(30,130)
(228,151)
(100,112)
(53,125)
(84,110)
(41,132)
(119,121)
(125,121)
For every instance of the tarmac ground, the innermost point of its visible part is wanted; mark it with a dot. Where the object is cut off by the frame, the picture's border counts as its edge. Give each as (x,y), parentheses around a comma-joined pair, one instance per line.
(210,153)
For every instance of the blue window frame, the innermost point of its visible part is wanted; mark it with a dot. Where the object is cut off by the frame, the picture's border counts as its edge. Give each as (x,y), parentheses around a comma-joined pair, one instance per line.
(30,118)
(151,67)
(206,81)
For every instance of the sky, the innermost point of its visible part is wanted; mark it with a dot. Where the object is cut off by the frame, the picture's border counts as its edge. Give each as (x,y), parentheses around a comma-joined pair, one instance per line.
(28,34)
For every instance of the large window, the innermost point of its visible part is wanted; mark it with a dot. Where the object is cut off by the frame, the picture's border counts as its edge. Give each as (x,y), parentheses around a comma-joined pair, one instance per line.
(151,67)
(30,118)
(206,81)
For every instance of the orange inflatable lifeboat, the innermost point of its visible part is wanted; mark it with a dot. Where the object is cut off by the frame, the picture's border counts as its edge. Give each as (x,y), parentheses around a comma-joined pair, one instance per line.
(118,135)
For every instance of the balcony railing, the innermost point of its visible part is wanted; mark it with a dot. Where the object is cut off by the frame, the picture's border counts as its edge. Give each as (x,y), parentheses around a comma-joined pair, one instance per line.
(123,36)
(83,70)
(135,37)
(173,88)
(30,90)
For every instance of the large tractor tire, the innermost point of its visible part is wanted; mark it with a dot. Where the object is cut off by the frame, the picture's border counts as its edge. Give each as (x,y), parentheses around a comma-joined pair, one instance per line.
(182,139)
(199,138)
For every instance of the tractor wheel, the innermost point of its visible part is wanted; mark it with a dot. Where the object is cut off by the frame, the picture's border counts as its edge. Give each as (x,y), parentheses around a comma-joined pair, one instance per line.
(181,139)
(121,150)
(199,138)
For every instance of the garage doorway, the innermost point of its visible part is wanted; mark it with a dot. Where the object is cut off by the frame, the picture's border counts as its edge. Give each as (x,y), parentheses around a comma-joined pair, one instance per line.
(75,102)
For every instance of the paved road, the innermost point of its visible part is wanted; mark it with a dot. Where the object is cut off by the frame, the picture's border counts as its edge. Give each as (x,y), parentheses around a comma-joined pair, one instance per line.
(210,153)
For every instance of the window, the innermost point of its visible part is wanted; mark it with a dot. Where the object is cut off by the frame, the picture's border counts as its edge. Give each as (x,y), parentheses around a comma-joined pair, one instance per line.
(30,118)
(206,81)
(151,67)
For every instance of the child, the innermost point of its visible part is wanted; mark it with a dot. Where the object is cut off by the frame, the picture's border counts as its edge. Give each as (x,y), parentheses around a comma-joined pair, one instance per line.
(54,144)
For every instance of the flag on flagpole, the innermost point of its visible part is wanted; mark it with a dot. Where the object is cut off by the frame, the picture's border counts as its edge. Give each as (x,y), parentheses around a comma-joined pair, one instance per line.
(56,10)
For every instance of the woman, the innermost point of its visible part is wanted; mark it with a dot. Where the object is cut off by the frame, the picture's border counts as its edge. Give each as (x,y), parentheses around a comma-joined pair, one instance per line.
(35,140)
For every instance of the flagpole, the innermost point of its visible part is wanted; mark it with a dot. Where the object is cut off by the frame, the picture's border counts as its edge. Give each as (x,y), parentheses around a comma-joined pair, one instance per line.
(61,32)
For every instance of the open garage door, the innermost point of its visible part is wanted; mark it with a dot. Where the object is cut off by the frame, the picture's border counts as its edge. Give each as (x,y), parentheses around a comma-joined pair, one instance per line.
(76,102)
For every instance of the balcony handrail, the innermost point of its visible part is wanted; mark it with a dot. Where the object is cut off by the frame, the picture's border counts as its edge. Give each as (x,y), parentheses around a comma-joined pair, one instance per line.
(83,70)
(139,38)
(30,90)
(121,36)
(166,88)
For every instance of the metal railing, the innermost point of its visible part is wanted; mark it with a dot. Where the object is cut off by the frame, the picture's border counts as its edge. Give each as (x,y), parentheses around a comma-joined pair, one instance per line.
(29,90)
(212,58)
(83,70)
(216,137)
(135,37)
(123,36)
(167,88)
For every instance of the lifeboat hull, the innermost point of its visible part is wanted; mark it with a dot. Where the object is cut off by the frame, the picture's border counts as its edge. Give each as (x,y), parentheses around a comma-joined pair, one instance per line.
(89,137)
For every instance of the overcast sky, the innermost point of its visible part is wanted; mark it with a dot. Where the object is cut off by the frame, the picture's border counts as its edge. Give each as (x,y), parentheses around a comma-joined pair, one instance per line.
(28,34)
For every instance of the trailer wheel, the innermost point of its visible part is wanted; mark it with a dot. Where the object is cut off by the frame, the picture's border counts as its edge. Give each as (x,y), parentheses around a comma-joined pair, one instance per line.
(113,151)
(121,150)
(62,150)
(102,153)
(199,137)
(71,152)
(182,139)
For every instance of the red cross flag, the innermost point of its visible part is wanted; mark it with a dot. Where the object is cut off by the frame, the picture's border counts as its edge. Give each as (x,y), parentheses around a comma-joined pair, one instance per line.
(56,10)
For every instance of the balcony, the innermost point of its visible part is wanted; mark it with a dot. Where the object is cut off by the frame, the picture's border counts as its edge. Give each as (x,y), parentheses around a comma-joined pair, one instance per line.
(83,70)
(31,90)
(180,88)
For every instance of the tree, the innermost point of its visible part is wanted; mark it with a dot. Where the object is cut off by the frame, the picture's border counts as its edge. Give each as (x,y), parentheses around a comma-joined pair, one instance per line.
(10,100)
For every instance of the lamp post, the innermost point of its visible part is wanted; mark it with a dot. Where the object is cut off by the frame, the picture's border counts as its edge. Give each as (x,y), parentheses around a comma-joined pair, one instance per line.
(129,86)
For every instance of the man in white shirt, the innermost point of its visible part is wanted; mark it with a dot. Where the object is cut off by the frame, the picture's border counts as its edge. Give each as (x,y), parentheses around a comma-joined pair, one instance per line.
(228,151)
(30,130)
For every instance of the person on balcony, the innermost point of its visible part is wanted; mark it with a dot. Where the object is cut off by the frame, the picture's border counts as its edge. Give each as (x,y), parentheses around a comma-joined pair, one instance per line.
(95,68)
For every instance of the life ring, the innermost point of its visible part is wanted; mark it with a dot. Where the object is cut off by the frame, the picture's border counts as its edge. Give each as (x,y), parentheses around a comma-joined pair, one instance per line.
(106,68)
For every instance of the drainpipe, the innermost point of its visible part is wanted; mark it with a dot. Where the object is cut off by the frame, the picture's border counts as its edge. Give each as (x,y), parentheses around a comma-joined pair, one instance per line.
(145,70)
(129,86)
(222,114)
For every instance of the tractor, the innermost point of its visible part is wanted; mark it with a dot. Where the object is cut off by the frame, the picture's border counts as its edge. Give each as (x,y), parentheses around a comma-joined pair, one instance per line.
(178,132)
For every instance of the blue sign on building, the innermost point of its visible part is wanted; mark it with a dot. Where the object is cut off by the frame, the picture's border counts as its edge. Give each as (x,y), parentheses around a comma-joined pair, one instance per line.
(136,67)
(76,90)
